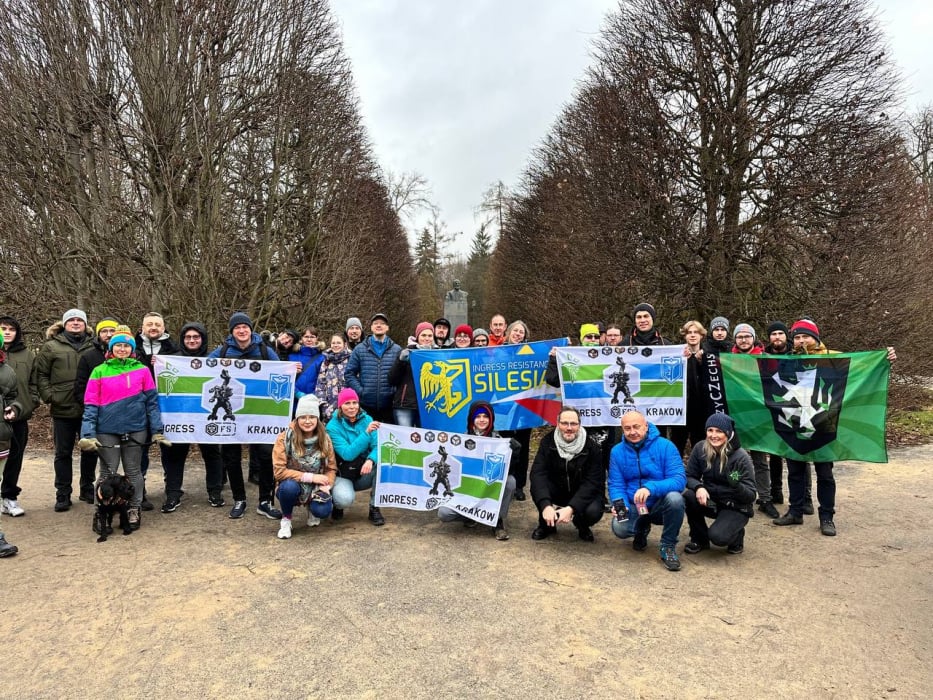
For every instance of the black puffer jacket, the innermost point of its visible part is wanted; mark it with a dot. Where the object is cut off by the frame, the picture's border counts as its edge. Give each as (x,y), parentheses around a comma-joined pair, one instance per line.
(732,487)
(556,481)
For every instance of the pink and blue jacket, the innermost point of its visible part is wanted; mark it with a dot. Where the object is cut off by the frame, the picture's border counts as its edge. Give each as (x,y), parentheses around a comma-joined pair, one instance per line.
(121,397)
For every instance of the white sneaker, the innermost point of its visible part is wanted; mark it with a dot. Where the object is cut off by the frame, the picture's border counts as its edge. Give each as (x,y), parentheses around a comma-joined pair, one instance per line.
(9,506)
(285,528)
(313,521)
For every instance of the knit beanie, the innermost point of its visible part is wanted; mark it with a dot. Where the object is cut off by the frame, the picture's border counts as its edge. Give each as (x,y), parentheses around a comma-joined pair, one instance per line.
(480,332)
(346,394)
(353,321)
(106,323)
(805,327)
(744,328)
(308,405)
(423,326)
(122,338)
(464,328)
(74,313)
(588,329)
(443,322)
(238,318)
(721,421)
(644,306)
(778,326)
(719,322)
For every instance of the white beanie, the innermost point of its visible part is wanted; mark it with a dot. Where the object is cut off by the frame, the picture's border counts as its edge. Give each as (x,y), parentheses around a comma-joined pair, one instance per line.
(308,405)
(74,313)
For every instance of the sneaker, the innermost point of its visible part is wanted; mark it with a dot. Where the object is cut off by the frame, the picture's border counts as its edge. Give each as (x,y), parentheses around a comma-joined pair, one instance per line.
(285,529)
(62,503)
(7,549)
(828,528)
(694,547)
(9,506)
(519,495)
(735,548)
(670,559)
(543,532)
(788,519)
(146,503)
(808,508)
(336,514)
(586,534)
(171,505)
(313,520)
(769,510)
(266,508)
(640,541)
(134,517)
(375,516)
(215,500)
(501,533)
(238,510)
(470,524)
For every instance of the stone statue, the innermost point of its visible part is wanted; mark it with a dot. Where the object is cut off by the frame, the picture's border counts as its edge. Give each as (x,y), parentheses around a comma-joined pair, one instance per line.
(456,309)
(456,294)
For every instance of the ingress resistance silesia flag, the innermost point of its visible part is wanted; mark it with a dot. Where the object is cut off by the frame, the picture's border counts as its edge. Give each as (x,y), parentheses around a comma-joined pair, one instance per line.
(815,408)
(421,469)
(604,383)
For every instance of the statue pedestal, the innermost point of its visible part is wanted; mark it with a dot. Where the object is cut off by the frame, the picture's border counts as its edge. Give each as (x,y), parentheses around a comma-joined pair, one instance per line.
(457,312)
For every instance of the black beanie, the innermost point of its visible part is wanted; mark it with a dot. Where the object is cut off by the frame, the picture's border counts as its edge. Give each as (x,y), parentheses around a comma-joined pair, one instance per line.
(778,326)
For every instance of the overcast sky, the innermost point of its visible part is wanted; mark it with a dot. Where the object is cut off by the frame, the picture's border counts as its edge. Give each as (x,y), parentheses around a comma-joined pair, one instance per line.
(461,92)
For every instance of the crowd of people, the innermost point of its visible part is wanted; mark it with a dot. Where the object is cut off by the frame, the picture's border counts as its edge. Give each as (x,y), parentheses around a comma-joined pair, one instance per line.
(101,392)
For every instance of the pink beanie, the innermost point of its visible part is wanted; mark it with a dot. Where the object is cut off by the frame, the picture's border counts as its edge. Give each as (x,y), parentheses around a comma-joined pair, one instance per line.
(423,326)
(345,395)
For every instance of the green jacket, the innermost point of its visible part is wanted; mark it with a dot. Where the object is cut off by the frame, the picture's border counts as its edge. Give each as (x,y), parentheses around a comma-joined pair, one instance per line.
(55,370)
(21,360)
(7,398)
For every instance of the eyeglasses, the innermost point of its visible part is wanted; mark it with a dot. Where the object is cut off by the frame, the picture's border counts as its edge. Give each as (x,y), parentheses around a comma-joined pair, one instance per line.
(308,337)
(591,336)
(568,424)
(192,337)
(744,336)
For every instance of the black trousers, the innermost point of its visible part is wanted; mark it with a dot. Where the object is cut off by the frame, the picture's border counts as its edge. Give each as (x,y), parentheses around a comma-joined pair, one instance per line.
(14,463)
(728,525)
(589,516)
(232,456)
(173,464)
(518,467)
(65,434)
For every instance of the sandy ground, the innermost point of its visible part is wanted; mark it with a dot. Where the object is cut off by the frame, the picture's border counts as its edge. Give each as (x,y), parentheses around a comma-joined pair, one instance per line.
(197,605)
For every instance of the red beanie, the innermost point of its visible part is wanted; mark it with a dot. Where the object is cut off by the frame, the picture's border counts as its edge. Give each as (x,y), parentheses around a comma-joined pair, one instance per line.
(805,327)
(464,328)
(423,326)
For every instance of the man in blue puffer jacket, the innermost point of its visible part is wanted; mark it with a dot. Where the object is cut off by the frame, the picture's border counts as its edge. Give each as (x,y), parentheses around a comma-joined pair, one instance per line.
(646,479)
(368,370)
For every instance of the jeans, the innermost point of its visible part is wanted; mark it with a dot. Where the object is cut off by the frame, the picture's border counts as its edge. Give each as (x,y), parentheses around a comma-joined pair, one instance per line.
(449,515)
(344,489)
(288,493)
(797,477)
(668,512)
(728,525)
(173,464)
(232,456)
(14,463)
(65,433)
(407,417)
(762,476)
(129,452)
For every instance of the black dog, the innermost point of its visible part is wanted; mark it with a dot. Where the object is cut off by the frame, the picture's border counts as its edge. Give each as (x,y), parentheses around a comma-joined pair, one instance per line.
(114,494)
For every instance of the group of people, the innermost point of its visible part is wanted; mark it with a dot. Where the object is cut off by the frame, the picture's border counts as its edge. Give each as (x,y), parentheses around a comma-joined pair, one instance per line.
(102,395)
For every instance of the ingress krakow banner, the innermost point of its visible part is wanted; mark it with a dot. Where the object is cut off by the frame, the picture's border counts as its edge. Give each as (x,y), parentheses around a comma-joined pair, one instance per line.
(510,377)
(421,469)
(605,382)
(214,400)
(814,408)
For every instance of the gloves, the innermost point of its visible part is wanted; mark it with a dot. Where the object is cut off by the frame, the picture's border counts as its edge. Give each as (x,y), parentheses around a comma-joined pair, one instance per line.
(515,444)
(89,444)
(307,478)
(403,355)
(160,439)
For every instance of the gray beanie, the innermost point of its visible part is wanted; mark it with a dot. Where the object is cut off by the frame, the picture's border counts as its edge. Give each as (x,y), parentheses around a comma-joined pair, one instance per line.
(353,321)
(719,322)
(238,318)
(721,421)
(74,313)
(308,405)
(480,331)
(745,328)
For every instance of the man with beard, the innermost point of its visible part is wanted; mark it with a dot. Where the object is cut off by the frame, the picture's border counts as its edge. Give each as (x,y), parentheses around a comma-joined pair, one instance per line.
(354,332)
(442,337)
(56,367)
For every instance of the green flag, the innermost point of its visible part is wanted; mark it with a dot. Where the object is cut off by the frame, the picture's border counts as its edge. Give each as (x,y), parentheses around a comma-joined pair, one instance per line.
(814,408)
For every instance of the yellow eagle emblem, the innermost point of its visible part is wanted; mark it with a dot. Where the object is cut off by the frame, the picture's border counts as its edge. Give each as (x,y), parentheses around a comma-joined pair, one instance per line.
(445,385)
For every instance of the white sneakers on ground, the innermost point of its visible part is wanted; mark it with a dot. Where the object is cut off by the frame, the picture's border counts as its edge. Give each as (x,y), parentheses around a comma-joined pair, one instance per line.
(9,506)
(285,528)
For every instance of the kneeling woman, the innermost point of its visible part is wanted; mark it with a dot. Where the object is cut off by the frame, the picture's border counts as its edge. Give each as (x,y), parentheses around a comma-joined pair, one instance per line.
(304,466)
(480,421)
(353,432)
(720,485)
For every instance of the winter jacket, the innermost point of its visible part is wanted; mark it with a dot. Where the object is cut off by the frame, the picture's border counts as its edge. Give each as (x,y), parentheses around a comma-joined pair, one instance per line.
(402,378)
(22,360)
(653,464)
(55,370)
(757,349)
(311,360)
(368,374)
(351,441)
(652,337)
(736,493)
(330,380)
(89,360)
(8,388)
(556,481)
(283,468)
(121,397)
(256,350)
(145,349)
(202,331)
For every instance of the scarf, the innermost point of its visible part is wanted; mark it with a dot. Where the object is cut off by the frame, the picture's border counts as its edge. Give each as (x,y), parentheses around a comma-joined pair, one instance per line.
(569,450)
